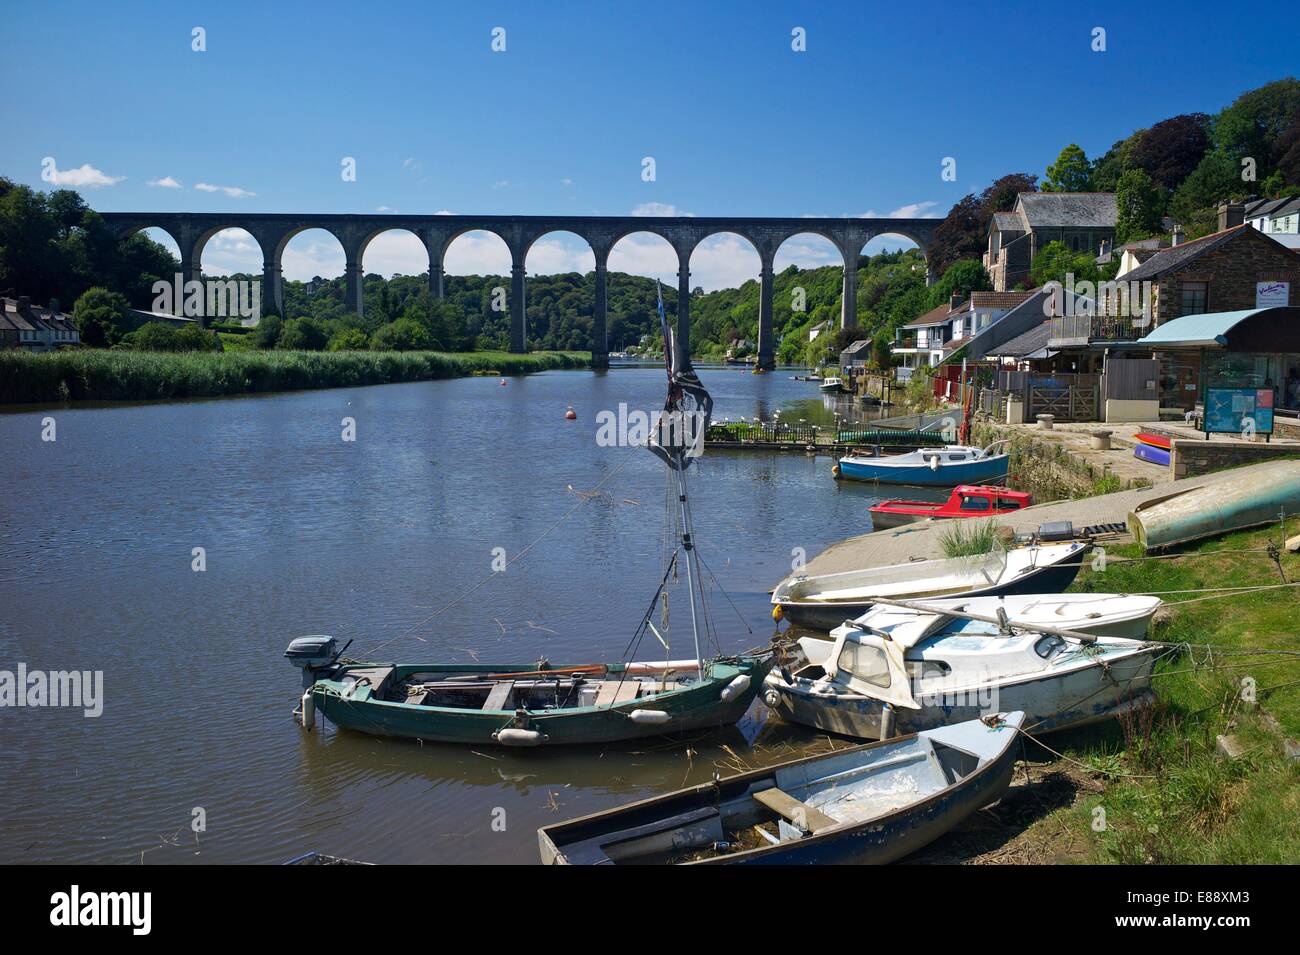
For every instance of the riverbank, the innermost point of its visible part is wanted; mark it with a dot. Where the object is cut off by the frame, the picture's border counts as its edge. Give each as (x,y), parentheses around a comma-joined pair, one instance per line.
(90,375)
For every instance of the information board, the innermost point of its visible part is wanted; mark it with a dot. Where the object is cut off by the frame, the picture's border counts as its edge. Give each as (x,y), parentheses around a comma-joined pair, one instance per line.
(1238,410)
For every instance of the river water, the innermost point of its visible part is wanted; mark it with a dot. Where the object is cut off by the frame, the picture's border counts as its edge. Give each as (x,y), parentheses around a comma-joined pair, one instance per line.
(304,532)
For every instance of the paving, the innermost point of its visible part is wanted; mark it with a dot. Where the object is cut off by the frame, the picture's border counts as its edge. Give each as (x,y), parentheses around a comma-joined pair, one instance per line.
(922,541)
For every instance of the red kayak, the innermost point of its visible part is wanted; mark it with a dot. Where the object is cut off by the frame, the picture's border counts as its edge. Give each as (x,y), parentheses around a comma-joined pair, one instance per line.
(1155,440)
(967,500)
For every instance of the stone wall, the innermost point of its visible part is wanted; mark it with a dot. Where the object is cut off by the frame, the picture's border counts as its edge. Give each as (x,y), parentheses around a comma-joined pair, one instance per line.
(1192,457)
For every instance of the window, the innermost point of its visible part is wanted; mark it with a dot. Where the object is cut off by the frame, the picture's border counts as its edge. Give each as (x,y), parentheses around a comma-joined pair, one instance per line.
(1195,298)
(864,662)
(1007,504)
(969,503)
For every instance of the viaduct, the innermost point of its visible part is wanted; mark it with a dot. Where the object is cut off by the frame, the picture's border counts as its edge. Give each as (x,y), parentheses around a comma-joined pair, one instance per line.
(272,231)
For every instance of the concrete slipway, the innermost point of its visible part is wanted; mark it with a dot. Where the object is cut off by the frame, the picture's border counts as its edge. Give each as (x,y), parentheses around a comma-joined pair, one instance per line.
(921,541)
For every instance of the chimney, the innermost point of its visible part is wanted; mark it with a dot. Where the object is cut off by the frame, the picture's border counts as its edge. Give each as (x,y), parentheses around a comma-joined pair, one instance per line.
(1177,237)
(54,307)
(954,301)
(24,303)
(1231,214)
(1105,247)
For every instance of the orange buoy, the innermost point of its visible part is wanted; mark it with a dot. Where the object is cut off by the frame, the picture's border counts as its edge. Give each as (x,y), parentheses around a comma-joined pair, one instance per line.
(570,415)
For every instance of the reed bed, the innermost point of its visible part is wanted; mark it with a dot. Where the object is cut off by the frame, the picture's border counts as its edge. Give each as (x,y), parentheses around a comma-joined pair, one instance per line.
(89,375)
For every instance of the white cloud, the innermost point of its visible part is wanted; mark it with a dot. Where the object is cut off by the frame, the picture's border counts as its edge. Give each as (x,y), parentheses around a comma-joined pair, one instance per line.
(658,209)
(723,261)
(807,250)
(394,252)
(383,209)
(444,212)
(566,182)
(412,164)
(558,253)
(232,250)
(643,253)
(478,253)
(501,184)
(166,182)
(84,176)
(313,252)
(233,191)
(913,210)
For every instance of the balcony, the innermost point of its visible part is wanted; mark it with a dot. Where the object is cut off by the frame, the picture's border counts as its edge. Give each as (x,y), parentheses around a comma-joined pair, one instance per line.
(1075,331)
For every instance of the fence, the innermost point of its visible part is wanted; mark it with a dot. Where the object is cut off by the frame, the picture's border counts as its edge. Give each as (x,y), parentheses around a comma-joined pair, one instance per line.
(1069,397)
(745,433)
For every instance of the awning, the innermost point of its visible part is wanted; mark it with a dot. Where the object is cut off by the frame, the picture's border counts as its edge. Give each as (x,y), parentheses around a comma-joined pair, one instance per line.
(1209,330)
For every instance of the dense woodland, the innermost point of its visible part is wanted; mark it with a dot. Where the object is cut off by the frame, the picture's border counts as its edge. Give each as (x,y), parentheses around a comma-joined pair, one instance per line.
(53,246)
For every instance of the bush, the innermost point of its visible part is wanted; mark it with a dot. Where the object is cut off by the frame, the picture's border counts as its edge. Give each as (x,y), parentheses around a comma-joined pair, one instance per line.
(100,316)
(349,339)
(162,337)
(301,334)
(405,334)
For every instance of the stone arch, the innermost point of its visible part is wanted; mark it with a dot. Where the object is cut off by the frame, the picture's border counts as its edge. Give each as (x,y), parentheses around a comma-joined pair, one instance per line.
(273,270)
(364,245)
(589,294)
(723,245)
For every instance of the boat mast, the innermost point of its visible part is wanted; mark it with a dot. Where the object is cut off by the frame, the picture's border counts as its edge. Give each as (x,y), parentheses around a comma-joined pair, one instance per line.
(688,545)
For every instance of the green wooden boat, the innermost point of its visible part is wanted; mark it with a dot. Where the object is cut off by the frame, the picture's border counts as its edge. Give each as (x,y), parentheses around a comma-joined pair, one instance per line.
(538,704)
(531,705)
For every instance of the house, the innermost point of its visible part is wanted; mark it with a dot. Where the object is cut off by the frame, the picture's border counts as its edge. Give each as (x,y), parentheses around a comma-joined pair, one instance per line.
(35,329)
(935,336)
(1082,220)
(856,355)
(1277,218)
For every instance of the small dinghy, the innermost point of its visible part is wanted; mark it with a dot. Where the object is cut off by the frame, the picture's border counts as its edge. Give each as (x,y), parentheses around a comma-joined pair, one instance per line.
(864,805)
(931,467)
(904,670)
(1125,616)
(825,601)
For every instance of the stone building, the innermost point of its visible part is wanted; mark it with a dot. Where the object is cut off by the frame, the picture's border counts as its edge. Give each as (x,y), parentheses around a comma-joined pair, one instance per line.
(1081,220)
(31,328)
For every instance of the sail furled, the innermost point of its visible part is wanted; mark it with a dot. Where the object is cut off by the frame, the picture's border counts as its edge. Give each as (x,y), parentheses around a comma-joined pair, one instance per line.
(679,434)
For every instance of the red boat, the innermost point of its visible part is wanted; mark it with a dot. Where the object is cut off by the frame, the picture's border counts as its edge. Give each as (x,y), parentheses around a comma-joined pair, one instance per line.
(967,500)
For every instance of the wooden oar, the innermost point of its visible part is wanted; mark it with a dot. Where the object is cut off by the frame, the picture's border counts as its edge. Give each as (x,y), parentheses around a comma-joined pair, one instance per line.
(1085,638)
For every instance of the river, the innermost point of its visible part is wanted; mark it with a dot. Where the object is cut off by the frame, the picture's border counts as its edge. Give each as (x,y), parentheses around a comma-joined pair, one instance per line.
(367,540)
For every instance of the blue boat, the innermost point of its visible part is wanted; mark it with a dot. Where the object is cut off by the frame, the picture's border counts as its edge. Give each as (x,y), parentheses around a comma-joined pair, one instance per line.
(948,466)
(865,805)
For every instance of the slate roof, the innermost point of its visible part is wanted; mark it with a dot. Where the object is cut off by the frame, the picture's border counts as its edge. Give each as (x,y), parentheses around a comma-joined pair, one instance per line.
(1024,344)
(1272,207)
(936,316)
(998,299)
(1167,260)
(1008,222)
(1056,209)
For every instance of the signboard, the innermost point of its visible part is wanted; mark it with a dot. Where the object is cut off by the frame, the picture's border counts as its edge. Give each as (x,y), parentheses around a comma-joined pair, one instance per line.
(1238,410)
(1271,294)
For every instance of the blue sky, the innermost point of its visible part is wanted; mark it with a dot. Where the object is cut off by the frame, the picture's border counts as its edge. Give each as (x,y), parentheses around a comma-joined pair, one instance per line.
(738,123)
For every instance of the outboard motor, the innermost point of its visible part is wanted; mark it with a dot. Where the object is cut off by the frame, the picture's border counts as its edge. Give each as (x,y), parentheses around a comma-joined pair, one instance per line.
(313,653)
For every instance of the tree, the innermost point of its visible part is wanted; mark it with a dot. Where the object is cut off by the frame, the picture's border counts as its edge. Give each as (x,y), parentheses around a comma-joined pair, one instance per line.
(268,331)
(302,334)
(1139,205)
(1171,149)
(1070,172)
(1256,120)
(1216,178)
(401,335)
(961,278)
(100,316)
(349,339)
(1058,263)
(963,234)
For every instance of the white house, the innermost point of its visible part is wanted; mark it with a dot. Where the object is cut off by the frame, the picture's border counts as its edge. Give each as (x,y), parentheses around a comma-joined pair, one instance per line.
(1277,218)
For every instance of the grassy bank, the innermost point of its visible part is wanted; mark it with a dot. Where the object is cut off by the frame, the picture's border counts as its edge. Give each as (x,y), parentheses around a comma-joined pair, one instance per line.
(88,375)
(1152,789)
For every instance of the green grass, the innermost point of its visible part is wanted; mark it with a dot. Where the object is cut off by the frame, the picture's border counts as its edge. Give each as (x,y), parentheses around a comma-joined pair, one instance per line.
(1167,795)
(98,375)
(970,538)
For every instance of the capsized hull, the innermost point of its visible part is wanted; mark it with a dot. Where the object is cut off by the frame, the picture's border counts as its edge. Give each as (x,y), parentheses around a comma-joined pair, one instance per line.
(885,801)
(699,706)
(1050,702)
(1247,498)
(827,615)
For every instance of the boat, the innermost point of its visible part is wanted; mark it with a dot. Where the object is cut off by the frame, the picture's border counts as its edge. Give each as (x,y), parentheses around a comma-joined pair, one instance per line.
(868,804)
(537,704)
(1123,616)
(966,500)
(904,669)
(1152,454)
(1233,501)
(1154,440)
(824,601)
(831,386)
(947,466)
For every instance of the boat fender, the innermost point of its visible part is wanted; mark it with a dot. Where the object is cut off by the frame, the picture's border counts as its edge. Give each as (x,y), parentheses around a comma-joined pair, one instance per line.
(650,717)
(777,613)
(735,688)
(356,685)
(772,699)
(934,462)
(518,737)
(308,711)
(835,470)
